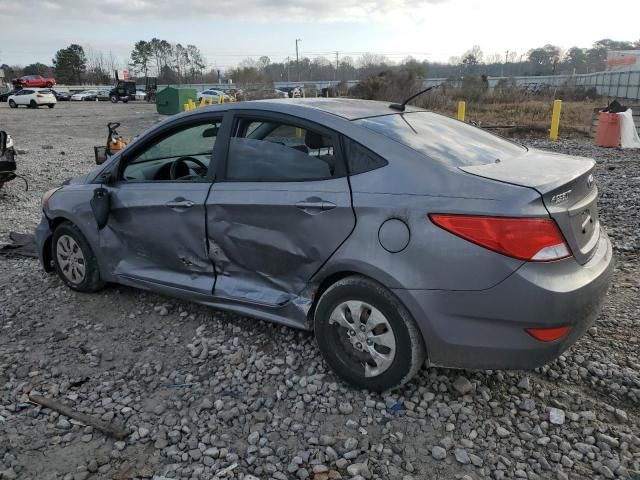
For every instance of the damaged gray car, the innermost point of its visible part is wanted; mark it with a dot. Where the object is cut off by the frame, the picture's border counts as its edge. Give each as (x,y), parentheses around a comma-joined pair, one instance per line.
(396,235)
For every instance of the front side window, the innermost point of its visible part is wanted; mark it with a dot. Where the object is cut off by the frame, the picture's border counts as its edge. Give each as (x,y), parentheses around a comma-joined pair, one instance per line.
(271,151)
(183,155)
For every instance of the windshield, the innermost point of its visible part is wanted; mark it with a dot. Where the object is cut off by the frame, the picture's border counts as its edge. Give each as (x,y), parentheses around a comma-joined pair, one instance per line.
(443,139)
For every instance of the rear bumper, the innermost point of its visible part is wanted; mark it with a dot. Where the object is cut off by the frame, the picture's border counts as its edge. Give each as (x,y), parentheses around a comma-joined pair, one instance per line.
(485,329)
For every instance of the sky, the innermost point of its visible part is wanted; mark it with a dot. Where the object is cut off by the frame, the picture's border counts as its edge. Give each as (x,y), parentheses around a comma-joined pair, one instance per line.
(227,31)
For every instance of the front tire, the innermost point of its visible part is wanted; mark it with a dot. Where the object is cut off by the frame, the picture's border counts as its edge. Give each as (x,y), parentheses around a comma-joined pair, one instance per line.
(367,336)
(33,104)
(13,104)
(75,263)
(113,98)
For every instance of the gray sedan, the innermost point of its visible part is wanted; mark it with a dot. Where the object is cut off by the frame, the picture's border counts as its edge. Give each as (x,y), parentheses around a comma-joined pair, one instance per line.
(396,236)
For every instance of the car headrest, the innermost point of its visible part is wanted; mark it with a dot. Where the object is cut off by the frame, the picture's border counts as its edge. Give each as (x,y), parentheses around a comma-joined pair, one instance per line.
(314,140)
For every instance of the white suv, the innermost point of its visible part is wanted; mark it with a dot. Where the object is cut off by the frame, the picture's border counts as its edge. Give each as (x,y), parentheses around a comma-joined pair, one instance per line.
(33,98)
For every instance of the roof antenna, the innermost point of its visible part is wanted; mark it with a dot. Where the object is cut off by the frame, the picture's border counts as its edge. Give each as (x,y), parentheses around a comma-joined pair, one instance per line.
(400,106)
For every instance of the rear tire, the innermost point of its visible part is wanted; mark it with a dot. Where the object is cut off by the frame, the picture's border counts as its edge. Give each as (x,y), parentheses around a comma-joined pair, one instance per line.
(125,100)
(113,98)
(33,104)
(74,261)
(378,346)
(13,104)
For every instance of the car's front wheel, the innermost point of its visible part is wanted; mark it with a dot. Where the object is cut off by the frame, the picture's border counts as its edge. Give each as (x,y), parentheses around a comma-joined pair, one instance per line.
(33,104)
(13,104)
(367,336)
(74,260)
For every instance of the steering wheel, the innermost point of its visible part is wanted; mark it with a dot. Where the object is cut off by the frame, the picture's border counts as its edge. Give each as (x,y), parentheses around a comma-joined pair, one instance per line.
(179,168)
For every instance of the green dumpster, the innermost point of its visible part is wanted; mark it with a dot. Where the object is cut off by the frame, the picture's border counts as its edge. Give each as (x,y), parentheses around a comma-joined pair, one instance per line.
(171,100)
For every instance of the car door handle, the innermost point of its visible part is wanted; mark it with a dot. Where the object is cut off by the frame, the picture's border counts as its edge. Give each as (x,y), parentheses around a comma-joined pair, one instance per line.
(315,205)
(179,204)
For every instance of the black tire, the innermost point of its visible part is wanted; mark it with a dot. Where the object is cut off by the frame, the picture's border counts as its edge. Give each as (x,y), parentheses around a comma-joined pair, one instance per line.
(90,281)
(125,100)
(334,341)
(113,98)
(13,104)
(51,105)
(33,104)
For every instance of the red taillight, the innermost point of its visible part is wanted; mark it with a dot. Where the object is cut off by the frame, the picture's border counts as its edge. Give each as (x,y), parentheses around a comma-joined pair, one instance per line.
(531,239)
(39,96)
(548,334)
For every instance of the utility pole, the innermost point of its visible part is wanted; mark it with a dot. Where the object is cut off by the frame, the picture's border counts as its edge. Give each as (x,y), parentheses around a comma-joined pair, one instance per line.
(337,63)
(298,58)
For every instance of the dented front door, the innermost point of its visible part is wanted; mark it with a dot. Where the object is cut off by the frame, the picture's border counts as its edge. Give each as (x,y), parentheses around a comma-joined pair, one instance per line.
(156,233)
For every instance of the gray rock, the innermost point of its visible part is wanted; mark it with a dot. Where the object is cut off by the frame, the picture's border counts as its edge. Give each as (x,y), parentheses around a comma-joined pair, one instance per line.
(438,452)
(462,385)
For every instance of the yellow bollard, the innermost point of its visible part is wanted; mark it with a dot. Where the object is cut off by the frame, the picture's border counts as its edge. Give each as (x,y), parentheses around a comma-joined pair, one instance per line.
(299,132)
(186,107)
(555,119)
(202,102)
(304,94)
(210,100)
(222,99)
(462,107)
(219,99)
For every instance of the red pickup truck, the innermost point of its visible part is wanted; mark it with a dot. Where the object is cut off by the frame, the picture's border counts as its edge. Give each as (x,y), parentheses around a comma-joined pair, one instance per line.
(34,81)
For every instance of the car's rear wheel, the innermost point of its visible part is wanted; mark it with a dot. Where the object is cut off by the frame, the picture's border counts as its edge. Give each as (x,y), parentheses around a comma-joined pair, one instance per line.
(33,104)
(13,104)
(367,336)
(75,263)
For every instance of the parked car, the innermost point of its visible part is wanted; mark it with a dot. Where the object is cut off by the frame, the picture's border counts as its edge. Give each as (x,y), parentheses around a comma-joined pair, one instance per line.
(280,94)
(34,81)
(86,95)
(62,96)
(103,94)
(33,98)
(213,94)
(141,95)
(4,96)
(395,236)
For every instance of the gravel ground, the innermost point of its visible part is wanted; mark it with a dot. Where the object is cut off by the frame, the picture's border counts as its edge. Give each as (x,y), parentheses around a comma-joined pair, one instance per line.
(207,394)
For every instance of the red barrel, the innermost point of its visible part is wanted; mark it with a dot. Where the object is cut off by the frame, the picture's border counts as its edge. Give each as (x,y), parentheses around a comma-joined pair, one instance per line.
(608,132)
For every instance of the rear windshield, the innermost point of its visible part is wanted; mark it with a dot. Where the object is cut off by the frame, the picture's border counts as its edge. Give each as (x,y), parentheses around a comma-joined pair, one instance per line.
(444,139)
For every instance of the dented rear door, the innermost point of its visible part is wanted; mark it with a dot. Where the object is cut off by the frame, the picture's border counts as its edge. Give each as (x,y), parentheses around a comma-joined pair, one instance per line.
(269,234)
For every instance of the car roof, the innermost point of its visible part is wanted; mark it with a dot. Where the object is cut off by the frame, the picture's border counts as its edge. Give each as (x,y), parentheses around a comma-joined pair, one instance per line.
(348,108)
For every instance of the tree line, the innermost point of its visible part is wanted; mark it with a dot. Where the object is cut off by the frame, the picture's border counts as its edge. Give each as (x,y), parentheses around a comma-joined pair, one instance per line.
(173,63)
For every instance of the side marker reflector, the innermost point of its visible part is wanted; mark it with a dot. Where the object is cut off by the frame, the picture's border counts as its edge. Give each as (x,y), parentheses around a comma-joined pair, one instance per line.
(548,334)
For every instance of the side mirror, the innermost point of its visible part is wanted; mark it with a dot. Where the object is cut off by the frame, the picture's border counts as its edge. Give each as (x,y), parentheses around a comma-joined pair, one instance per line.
(210,132)
(3,142)
(100,205)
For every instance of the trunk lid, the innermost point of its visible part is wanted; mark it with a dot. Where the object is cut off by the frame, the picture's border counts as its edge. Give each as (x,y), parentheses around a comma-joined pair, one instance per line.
(567,187)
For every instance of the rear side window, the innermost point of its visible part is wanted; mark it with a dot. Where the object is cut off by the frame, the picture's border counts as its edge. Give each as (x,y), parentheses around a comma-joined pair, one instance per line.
(271,151)
(359,159)
(443,139)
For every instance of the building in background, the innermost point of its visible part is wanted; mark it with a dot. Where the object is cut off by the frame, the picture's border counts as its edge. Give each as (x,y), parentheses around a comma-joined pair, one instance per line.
(623,60)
